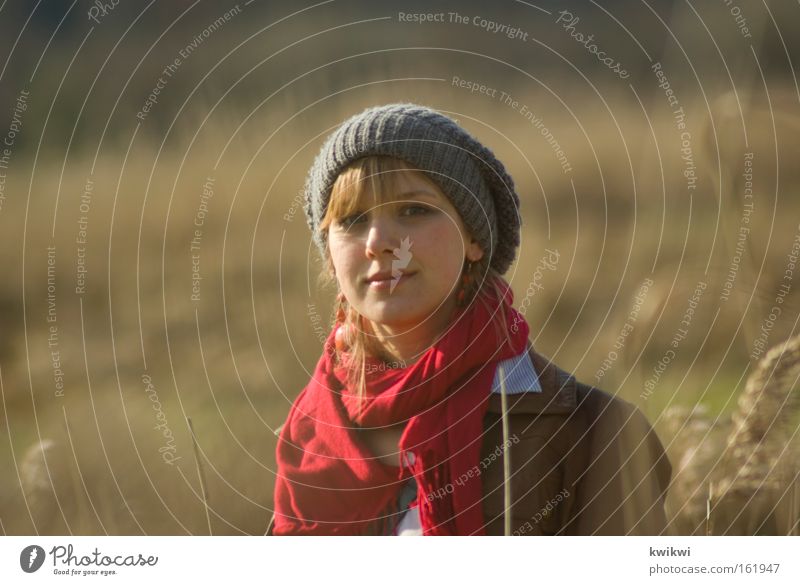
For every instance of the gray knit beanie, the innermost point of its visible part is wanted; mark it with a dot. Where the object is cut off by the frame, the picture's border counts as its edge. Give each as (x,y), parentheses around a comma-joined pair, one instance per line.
(466,171)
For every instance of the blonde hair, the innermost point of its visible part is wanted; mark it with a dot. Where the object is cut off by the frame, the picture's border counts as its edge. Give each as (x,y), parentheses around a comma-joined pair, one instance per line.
(377,175)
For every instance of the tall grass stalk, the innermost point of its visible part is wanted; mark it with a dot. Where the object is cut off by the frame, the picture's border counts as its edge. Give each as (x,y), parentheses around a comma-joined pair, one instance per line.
(200,474)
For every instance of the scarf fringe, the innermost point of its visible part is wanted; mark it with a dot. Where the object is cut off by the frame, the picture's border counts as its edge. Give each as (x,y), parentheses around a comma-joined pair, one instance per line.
(435,503)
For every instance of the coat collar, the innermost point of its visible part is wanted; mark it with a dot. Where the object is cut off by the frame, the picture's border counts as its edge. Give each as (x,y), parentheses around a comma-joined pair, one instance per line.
(558,395)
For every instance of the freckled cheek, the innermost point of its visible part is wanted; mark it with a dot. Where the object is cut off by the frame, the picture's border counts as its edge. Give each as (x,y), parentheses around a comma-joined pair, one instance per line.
(345,258)
(441,254)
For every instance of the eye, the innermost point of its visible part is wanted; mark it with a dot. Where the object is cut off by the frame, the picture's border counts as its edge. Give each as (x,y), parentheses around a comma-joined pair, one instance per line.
(409,210)
(351,220)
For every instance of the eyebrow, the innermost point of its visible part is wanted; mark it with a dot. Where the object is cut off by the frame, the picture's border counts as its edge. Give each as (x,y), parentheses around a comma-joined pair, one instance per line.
(417,193)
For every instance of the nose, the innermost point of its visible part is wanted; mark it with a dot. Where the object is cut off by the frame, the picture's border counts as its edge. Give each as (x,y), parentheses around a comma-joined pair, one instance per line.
(381,235)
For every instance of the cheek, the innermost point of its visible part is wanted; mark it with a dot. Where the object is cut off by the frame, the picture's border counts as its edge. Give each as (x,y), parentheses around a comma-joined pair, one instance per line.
(344,257)
(444,251)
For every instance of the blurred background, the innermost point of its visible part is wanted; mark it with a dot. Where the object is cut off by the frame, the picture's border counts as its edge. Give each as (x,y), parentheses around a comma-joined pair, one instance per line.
(157,267)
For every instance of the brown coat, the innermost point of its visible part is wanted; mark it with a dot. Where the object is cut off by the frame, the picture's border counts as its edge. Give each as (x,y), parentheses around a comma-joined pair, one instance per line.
(583,462)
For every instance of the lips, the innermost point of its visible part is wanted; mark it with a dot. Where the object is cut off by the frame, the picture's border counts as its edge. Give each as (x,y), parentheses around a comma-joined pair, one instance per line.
(386,277)
(380,276)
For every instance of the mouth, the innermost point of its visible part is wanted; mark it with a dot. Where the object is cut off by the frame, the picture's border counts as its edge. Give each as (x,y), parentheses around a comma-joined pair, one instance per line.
(385,280)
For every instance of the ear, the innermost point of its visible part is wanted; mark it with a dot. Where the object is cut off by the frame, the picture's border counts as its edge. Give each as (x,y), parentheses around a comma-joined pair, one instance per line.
(474,251)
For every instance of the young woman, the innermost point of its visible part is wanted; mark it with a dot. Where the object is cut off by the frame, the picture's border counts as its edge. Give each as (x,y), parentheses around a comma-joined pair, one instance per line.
(429,411)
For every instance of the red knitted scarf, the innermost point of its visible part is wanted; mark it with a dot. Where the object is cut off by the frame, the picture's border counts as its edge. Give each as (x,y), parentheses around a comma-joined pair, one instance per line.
(329,483)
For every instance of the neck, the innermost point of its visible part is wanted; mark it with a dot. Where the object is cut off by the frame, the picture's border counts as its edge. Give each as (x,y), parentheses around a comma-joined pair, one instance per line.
(405,344)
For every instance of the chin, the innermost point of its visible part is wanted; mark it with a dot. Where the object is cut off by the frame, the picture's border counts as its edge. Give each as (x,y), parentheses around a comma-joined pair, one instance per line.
(401,315)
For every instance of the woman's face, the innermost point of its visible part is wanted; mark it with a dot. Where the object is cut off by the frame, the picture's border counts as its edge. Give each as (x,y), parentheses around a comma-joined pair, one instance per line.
(399,262)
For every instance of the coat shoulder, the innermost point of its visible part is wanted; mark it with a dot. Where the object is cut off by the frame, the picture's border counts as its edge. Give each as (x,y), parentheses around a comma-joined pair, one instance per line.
(621,488)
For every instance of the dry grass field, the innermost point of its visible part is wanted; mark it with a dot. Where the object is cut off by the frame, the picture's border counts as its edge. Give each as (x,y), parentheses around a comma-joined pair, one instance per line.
(147,282)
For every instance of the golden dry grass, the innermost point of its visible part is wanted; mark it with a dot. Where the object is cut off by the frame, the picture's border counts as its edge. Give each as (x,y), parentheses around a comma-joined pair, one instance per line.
(89,462)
